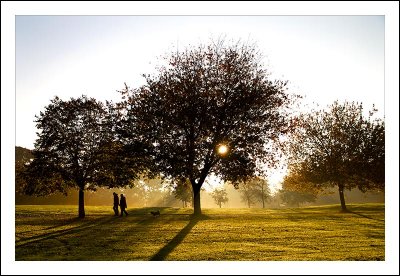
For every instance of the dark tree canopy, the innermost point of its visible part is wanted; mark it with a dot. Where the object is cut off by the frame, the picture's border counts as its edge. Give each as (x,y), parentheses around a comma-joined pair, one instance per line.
(201,98)
(339,147)
(75,148)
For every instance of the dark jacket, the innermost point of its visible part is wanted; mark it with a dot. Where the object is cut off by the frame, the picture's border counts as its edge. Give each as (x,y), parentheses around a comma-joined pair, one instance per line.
(122,203)
(116,200)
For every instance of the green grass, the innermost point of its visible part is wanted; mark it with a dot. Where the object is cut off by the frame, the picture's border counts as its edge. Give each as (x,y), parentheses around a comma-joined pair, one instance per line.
(300,234)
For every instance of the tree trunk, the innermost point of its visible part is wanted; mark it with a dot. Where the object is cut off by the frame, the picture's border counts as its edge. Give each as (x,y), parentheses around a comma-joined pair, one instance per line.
(341,195)
(220,205)
(81,203)
(196,199)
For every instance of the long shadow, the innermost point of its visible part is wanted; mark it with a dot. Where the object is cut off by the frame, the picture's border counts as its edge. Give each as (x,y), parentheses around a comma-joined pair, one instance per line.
(167,249)
(364,216)
(64,223)
(55,234)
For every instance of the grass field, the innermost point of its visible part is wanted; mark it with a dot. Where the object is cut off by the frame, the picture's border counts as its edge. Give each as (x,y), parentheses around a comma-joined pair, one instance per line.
(312,233)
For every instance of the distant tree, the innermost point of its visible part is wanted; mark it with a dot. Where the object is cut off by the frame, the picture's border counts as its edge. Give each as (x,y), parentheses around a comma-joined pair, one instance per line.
(275,200)
(339,147)
(75,148)
(220,196)
(260,189)
(22,156)
(247,194)
(255,189)
(183,191)
(295,198)
(168,198)
(209,109)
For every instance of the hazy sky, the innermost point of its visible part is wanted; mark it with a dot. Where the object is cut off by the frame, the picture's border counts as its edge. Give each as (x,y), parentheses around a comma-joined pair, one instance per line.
(324,57)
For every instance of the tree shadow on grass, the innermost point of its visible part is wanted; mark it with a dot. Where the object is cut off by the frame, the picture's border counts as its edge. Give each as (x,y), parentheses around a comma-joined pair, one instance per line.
(169,247)
(69,243)
(55,234)
(364,216)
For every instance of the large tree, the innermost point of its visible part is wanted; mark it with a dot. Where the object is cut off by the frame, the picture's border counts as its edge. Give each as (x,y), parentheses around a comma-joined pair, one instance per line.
(208,109)
(338,147)
(75,148)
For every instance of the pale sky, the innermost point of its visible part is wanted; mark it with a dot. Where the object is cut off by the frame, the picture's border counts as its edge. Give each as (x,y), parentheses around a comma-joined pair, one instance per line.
(324,57)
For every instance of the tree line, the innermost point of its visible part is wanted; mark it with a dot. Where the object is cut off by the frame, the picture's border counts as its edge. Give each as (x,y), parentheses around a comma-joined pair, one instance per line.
(208,110)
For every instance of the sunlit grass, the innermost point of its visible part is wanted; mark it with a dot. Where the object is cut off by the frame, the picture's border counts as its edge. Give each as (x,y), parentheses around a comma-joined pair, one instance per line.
(313,233)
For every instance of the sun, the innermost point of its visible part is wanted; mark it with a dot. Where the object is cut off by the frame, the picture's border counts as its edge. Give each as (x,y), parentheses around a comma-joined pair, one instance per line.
(222,149)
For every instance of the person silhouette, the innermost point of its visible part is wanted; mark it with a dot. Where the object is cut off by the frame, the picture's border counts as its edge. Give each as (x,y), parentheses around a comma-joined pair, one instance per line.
(116,203)
(123,205)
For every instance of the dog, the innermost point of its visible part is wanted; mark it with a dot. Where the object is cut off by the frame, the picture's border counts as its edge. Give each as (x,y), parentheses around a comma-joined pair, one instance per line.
(155,213)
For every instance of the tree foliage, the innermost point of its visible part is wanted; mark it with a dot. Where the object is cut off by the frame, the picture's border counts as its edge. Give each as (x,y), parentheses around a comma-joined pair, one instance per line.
(338,147)
(75,148)
(220,196)
(201,98)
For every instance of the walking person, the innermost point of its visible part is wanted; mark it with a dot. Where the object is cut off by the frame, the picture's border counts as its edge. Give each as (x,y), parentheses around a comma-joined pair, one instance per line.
(123,205)
(116,204)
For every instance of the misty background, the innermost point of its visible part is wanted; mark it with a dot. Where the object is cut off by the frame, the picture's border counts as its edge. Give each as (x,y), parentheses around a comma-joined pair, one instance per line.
(152,193)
